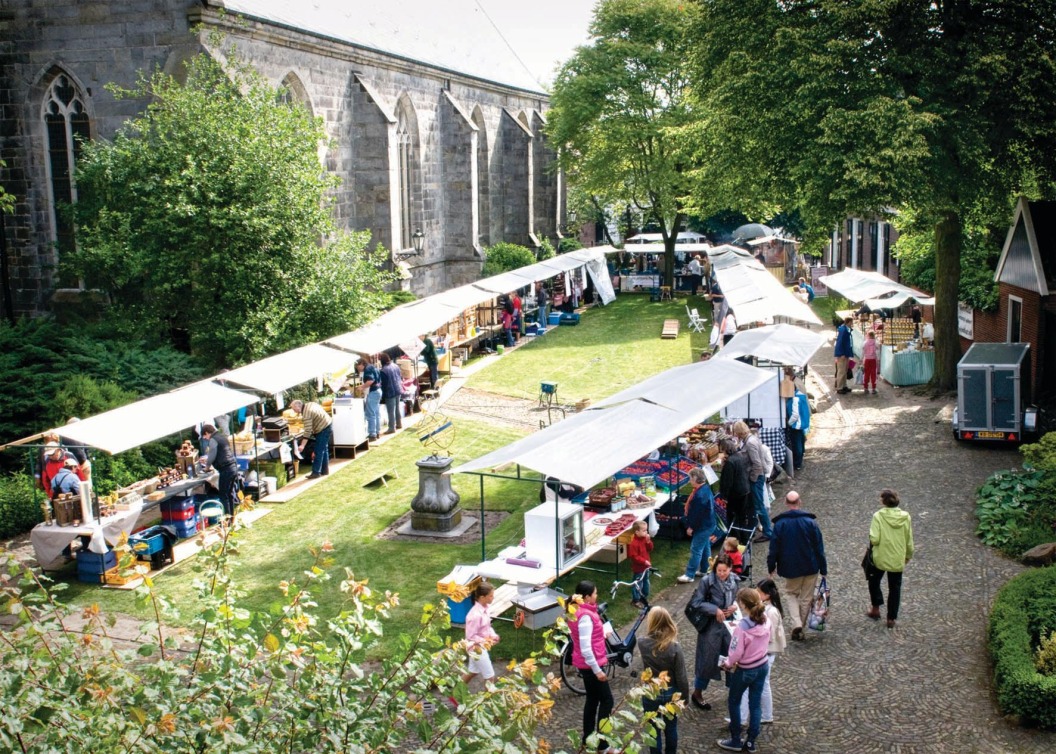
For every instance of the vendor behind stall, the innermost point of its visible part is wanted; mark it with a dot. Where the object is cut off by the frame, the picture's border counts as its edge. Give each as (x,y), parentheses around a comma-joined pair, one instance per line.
(66,480)
(318,425)
(431,360)
(220,457)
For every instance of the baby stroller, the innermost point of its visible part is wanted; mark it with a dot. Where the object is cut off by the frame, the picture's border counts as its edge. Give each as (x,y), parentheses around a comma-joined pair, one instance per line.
(744,537)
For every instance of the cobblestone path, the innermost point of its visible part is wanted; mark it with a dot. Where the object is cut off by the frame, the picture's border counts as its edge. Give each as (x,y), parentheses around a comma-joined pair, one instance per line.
(858,687)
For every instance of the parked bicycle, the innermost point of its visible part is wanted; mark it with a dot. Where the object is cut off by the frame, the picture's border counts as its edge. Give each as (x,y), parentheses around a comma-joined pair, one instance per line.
(620,650)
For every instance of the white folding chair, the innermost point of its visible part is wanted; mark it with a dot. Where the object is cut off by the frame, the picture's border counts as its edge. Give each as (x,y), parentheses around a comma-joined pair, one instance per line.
(695,322)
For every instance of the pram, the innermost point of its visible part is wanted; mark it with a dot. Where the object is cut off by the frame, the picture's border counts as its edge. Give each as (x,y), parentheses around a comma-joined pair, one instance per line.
(744,537)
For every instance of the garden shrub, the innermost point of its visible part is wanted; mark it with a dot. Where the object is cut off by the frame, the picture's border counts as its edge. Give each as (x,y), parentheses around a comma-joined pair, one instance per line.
(1014,511)
(568,244)
(1024,612)
(546,250)
(261,682)
(19,507)
(1045,658)
(503,257)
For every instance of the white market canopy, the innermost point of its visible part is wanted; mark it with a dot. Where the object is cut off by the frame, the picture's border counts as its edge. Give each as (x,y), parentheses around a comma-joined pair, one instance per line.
(153,418)
(753,293)
(596,443)
(876,290)
(277,373)
(653,243)
(408,321)
(779,344)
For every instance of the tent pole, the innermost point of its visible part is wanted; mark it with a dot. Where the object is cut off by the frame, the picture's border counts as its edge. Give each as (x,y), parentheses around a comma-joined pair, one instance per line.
(483,557)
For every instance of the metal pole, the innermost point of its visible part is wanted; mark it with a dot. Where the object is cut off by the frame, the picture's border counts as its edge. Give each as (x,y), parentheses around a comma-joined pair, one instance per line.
(483,556)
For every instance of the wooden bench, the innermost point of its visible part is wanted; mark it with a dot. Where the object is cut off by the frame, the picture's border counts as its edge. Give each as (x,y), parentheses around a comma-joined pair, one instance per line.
(670,329)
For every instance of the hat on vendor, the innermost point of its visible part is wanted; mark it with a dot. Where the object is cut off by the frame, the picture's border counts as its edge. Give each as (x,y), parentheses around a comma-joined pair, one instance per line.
(51,447)
(71,461)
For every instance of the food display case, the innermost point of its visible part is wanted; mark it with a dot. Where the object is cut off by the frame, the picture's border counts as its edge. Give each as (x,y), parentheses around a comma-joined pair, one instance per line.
(553,534)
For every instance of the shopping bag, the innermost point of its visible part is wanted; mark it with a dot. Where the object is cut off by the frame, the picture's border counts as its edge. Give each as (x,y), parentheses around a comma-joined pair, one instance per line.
(859,375)
(653,525)
(819,608)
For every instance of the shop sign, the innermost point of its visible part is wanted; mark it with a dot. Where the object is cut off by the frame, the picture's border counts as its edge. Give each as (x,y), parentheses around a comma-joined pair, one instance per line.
(965,321)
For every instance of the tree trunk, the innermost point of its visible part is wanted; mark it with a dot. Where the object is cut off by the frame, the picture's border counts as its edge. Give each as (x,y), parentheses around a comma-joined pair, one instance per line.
(947,282)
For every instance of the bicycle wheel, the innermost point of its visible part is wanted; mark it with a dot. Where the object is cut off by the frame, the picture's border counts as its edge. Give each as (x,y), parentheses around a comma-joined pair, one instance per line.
(569,673)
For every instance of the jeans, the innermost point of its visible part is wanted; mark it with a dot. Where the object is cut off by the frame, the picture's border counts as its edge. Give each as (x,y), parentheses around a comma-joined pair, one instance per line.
(509,337)
(544,315)
(758,498)
(321,459)
(228,487)
(752,681)
(767,700)
(699,553)
(372,408)
(894,591)
(392,407)
(668,740)
(640,594)
(434,375)
(797,440)
(598,705)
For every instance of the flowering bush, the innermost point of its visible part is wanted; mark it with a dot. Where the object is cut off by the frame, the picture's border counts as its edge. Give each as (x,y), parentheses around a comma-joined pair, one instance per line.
(281,680)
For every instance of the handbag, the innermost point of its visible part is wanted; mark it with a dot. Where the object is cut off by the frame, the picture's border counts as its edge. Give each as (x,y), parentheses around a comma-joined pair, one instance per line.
(819,608)
(867,563)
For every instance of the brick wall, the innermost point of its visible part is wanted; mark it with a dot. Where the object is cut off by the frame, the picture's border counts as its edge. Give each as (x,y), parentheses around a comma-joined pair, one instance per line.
(992,327)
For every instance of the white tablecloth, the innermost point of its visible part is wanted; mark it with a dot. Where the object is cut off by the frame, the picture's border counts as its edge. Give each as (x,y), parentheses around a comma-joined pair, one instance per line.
(50,541)
(628,282)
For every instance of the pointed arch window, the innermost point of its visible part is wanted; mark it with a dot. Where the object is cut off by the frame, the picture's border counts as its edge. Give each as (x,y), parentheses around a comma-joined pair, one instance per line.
(403,146)
(67,127)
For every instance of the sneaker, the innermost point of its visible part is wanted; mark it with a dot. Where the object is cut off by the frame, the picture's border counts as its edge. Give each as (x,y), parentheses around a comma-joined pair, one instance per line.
(313,476)
(797,634)
(750,746)
(767,722)
(730,744)
(684,579)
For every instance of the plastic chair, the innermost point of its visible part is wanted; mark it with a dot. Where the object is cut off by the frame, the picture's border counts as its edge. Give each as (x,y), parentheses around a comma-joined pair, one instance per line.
(695,322)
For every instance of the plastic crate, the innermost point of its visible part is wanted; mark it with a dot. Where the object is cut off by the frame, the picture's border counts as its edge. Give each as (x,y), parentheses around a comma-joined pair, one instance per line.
(94,563)
(554,319)
(148,542)
(569,319)
(185,529)
(177,505)
(178,516)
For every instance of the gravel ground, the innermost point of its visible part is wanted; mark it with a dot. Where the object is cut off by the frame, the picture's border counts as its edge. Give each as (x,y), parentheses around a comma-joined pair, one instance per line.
(859,687)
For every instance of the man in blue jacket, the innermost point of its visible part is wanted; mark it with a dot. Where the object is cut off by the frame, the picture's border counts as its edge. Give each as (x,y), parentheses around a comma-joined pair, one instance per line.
(843,351)
(797,416)
(700,525)
(797,554)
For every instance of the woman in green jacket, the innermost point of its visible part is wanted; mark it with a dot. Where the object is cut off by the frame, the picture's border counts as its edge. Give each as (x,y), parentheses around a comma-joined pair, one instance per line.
(891,538)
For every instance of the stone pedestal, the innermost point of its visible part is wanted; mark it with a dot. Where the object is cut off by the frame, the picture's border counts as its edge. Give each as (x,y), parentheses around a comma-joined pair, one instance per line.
(435,507)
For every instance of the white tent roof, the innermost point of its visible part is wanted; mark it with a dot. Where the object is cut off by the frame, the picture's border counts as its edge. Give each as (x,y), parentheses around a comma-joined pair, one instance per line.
(593,445)
(781,344)
(753,293)
(658,248)
(860,285)
(415,318)
(153,418)
(276,373)
(684,237)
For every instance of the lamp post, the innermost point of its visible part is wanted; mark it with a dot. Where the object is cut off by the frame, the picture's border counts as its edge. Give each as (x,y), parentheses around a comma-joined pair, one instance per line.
(418,241)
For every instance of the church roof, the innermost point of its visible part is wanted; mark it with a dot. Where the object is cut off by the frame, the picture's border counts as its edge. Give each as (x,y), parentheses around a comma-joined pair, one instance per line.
(1028,259)
(455,35)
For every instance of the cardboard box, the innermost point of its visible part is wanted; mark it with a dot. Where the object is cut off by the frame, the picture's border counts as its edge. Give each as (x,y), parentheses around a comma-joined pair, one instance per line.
(614,553)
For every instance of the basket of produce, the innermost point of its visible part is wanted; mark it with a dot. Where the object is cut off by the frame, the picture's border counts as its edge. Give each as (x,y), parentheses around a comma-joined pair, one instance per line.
(671,479)
(603,496)
(243,443)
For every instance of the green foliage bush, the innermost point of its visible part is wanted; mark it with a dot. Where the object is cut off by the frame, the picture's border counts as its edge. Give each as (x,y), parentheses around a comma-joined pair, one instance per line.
(19,507)
(1024,612)
(567,244)
(1045,657)
(261,682)
(1013,511)
(546,250)
(503,257)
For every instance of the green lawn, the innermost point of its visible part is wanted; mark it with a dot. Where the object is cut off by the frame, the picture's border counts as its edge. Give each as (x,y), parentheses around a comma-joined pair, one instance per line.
(612,348)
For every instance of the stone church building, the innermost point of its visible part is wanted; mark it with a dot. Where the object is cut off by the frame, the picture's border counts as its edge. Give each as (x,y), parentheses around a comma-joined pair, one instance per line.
(434,123)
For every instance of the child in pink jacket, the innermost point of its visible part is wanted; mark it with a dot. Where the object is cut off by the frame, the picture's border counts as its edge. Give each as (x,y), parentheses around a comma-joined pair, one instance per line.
(480,636)
(746,669)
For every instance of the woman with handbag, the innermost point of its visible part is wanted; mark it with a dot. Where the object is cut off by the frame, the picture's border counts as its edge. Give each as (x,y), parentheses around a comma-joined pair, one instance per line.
(890,549)
(712,604)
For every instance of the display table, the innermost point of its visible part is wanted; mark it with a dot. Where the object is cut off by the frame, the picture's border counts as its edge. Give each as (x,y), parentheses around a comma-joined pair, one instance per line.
(630,282)
(50,540)
(906,367)
(527,578)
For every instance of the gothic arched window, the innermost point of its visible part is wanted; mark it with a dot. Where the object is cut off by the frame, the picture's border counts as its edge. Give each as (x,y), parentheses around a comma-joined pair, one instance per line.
(404,143)
(67,128)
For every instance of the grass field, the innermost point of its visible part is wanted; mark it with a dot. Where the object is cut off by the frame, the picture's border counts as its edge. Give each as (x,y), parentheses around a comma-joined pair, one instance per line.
(613,347)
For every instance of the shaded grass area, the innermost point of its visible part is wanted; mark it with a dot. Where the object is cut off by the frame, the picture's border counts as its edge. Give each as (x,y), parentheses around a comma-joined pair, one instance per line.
(827,307)
(612,348)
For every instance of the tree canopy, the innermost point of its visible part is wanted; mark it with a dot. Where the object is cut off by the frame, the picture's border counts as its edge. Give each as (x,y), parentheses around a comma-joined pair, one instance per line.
(208,220)
(618,109)
(843,108)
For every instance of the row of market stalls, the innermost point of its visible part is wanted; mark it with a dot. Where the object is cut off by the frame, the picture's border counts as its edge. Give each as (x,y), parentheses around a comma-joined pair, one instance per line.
(907,355)
(247,390)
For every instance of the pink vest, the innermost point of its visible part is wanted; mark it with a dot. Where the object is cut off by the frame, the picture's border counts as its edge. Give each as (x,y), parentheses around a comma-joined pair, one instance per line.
(597,637)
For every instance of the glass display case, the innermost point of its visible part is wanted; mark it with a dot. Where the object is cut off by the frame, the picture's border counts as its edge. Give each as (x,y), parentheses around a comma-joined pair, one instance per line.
(553,534)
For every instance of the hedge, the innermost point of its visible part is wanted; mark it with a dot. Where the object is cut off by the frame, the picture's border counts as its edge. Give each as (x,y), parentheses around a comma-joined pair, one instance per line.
(19,508)
(1025,609)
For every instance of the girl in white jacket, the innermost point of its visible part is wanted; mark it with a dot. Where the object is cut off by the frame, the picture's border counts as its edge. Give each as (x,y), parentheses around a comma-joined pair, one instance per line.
(772,600)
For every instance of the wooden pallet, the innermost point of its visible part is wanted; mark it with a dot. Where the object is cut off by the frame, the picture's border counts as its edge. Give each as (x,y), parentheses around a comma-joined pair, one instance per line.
(670,329)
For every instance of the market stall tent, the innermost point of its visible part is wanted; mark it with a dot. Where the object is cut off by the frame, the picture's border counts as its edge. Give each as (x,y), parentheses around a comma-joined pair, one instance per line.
(277,373)
(596,443)
(153,418)
(783,344)
(752,292)
(860,286)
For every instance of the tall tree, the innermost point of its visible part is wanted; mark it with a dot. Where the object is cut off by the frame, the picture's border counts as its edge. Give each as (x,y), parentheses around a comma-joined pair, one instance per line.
(208,220)
(841,107)
(618,109)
